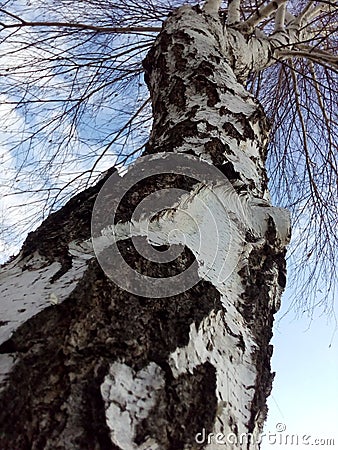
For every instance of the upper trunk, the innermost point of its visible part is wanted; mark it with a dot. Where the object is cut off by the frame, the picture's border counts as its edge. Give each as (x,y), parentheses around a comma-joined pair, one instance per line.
(199,106)
(107,368)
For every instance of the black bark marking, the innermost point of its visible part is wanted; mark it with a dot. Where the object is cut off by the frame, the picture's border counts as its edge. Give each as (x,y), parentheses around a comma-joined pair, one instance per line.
(182,406)
(258,313)
(179,58)
(64,352)
(177,94)
(217,150)
(229,171)
(248,132)
(224,110)
(231,131)
(143,266)
(141,190)
(203,85)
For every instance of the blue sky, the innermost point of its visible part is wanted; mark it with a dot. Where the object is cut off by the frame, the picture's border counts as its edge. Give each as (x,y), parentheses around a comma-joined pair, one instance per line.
(305,391)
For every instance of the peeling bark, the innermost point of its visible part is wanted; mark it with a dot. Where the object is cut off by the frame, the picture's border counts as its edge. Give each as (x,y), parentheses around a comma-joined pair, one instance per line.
(92,366)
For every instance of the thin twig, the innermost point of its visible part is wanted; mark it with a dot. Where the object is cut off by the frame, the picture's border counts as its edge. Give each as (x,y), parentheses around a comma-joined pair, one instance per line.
(81,26)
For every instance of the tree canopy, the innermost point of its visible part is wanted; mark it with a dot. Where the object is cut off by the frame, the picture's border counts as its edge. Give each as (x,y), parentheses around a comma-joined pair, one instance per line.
(74,102)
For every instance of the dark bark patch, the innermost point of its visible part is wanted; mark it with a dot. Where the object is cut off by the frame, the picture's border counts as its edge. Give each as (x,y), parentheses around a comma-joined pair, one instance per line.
(231,131)
(203,84)
(217,150)
(141,190)
(181,35)
(152,56)
(65,351)
(181,130)
(248,132)
(258,312)
(177,94)
(179,59)
(174,136)
(197,9)
(271,232)
(191,113)
(224,111)
(182,408)
(143,266)
(206,68)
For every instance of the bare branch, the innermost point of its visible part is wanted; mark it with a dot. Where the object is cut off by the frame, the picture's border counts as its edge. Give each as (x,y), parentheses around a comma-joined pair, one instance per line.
(318,56)
(125,126)
(280,18)
(314,190)
(309,13)
(321,105)
(263,13)
(14,16)
(80,26)
(234,12)
(305,11)
(212,6)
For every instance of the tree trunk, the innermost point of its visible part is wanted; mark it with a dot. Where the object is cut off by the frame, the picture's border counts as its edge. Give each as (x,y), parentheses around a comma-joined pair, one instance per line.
(92,364)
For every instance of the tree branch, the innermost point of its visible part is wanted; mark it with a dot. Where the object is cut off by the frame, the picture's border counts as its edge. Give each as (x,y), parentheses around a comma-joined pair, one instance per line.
(309,14)
(280,18)
(305,11)
(318,56)
(315,192)
(81,26)
(263,13)
(212,6)
(125,126)
(323,111)
(234,12)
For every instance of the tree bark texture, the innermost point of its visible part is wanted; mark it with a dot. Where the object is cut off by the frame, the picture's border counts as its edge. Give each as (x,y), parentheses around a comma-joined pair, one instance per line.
(88,365)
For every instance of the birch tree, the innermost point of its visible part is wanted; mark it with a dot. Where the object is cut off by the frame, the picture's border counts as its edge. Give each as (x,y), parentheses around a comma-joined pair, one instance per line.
(139,314)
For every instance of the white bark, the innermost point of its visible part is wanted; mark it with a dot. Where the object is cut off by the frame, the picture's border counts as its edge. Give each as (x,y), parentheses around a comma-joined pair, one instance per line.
(154,373)
(233,12)
(224,338)
(26,288)
(264,12)
(129,397)
(280,18)
(212,6)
